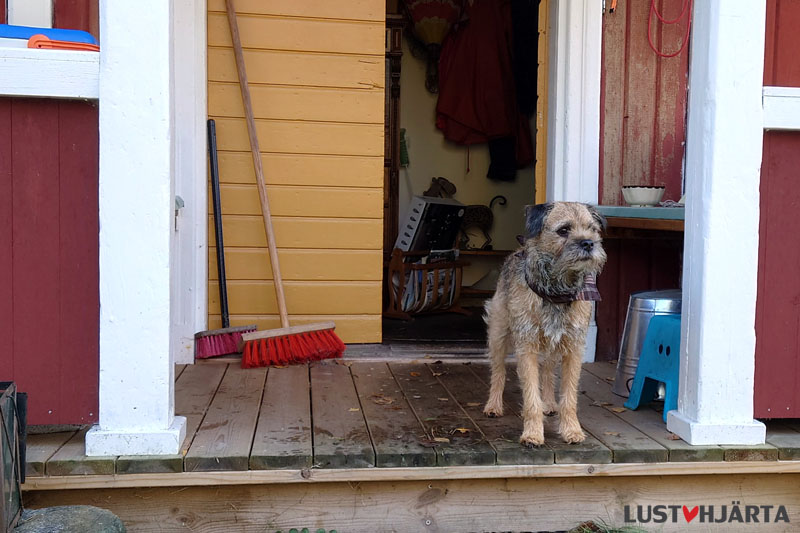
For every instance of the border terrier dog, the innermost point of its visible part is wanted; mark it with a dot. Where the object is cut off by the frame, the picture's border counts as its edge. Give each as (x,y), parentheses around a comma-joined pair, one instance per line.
(541,311)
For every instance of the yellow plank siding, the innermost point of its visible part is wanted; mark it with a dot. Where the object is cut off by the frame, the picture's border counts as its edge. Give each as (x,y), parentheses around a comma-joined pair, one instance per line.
(351,9)
(241,199)
(315,265)
(288,169)
(299,69)
(316,70)
(351,328)
(302,137)
(299,103)
(308,35)
(301,232)
(302,297)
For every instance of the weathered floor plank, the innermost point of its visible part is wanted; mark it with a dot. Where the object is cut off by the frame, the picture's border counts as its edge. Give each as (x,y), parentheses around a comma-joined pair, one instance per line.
(502,433)
(223,439)
(341,438)
(194,390)
(396,433)
(590,451)
(628,444)
(283,432)
(645,420)
(453,434)
(71,459)
(761,452)
(786,439)
(41,447)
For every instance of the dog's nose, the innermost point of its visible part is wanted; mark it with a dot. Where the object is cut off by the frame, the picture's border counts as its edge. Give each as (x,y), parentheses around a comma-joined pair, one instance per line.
(587,244)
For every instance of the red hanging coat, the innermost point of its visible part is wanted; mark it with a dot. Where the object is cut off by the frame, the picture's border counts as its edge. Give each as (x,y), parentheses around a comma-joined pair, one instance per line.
(477,99)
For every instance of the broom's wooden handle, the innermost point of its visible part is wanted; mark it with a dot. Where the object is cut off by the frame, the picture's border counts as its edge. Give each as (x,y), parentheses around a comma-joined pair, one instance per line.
(254,148)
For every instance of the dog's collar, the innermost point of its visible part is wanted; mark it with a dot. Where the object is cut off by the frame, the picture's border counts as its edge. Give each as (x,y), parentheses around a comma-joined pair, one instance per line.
(588,293)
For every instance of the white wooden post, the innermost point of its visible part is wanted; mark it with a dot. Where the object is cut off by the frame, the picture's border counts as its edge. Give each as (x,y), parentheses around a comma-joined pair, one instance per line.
(723,160)
(573,146)
(136,227)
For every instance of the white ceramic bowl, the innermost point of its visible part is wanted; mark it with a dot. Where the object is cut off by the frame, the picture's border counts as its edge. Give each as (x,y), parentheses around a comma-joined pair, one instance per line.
(641,196)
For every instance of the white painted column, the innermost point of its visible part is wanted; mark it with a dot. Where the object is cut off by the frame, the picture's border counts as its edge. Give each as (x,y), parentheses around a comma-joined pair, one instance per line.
(136,227)
(189,244)
(573,146)
(723,161)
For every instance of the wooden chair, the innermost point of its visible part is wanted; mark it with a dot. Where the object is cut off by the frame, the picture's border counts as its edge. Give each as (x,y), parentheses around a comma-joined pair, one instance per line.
(439,285)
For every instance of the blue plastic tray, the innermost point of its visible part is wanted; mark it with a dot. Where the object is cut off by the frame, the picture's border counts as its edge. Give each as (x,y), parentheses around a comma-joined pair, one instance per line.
(26,32)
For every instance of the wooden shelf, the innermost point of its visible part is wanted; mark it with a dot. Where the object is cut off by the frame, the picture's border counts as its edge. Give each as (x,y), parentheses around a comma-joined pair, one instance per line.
(490,253)
(658,224)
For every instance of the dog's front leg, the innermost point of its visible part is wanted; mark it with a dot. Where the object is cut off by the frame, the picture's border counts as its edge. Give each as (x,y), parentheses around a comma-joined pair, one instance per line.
(532,417)
(548,379)
(569,427)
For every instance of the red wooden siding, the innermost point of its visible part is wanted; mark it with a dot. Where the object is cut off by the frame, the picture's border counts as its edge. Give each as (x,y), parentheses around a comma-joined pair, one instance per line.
(69,14)
(633,265)
(77,15)
(643,101)
(49,301)
(643,132)
(777,374)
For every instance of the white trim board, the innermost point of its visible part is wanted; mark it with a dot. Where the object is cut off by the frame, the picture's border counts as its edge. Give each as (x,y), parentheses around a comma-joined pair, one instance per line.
(49,73)
(36,13)
(781,108)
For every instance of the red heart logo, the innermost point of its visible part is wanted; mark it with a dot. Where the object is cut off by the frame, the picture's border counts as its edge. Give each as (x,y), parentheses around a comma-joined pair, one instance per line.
(689,515)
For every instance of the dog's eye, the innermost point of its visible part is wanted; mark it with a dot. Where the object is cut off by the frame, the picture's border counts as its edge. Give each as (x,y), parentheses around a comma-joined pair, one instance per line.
(563,232)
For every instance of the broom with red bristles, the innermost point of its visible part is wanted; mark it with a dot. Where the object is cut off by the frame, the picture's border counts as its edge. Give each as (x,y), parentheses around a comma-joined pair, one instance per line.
(223,341)
(287,345)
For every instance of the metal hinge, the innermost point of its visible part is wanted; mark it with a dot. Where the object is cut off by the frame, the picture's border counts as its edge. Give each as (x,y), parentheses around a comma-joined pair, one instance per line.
(179,203)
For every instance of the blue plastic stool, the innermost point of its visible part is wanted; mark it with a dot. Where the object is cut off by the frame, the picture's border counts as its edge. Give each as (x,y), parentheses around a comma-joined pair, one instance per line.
(659,361)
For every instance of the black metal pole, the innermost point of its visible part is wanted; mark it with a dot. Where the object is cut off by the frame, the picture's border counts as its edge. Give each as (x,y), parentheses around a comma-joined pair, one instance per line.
(223,288)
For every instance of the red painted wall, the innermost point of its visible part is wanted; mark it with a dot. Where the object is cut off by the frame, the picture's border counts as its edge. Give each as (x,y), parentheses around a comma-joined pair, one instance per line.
(633,265)
(49,301)
(643,131)
(642,100)
(777,374)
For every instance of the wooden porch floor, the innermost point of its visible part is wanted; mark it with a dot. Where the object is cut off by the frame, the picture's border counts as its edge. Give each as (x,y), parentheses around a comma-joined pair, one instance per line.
(358,415)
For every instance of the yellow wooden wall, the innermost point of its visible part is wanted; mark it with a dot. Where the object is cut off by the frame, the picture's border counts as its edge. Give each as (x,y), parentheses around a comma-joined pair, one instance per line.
(316,72)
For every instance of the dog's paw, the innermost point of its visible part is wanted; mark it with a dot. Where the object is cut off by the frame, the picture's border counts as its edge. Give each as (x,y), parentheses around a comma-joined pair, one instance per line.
(550,412)
(493,411)
(532,440)
(573,435)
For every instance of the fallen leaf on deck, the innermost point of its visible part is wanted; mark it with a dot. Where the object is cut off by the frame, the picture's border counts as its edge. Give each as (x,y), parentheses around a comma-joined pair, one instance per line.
(280,366)
(673,436)
(414,374)
(461,430)
(601,404)
(441,439)
(437,374)
(610,380)
(612,433)
(443,399)
(473,404)
(380,399)
(354,409)
(618,409)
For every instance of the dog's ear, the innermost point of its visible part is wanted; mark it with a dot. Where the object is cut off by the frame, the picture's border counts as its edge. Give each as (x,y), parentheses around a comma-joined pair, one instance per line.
(534,218)
(600,219)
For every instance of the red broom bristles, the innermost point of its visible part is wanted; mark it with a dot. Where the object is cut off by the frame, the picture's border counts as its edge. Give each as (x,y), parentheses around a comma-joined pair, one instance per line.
(219,342)
(292,349)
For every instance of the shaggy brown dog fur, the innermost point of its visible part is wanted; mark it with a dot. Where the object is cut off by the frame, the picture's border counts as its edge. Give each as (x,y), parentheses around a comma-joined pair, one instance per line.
(562,246)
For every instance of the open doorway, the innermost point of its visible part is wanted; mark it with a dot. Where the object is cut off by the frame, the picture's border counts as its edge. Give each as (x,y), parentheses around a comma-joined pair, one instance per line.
(423,168)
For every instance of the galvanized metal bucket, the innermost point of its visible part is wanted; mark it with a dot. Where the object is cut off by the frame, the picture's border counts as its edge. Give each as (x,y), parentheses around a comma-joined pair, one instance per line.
(642,307)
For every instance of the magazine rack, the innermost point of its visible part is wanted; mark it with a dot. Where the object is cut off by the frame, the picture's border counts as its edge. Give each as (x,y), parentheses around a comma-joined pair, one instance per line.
(416,287)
